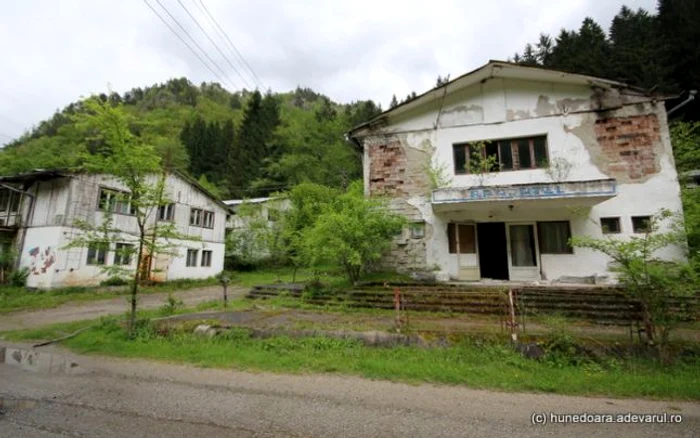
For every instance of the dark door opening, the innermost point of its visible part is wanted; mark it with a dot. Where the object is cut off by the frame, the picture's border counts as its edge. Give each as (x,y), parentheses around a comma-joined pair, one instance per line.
(493,250)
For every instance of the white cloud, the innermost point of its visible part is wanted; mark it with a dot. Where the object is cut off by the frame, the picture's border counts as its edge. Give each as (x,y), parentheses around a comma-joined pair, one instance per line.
(55,52)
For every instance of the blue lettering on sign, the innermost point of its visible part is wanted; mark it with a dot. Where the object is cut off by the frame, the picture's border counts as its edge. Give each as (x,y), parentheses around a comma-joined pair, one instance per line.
(521,192)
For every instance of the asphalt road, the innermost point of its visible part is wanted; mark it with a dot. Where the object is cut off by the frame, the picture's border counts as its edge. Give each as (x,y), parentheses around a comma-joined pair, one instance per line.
(135,398)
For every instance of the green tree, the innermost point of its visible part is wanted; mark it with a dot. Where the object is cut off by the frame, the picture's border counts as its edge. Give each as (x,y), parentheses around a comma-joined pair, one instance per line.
(353,231)
(138,167)
(653,282)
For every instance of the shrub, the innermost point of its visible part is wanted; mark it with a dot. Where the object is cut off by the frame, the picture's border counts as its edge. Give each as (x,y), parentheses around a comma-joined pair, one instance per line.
(18,277)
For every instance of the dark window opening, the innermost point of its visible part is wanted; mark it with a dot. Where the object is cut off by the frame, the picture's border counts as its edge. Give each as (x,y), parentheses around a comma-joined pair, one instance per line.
(554,237)
(122,253)
(509,154)
(610,225)
(641,224)
(206,258)
(96,254)
(191,258)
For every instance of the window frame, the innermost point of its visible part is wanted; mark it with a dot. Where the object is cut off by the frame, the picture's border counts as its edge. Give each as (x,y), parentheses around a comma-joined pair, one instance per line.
(114,204)
(99,251)
(416,230)
(207,256)
(540,238)
(514,154)
(453,237)
(5,199)
(605,230)
(647,227)
(121,256)
(168,212)
(193,263)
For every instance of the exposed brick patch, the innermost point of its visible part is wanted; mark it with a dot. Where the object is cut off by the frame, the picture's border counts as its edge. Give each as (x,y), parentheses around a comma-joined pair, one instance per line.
(387,169)
(629,145)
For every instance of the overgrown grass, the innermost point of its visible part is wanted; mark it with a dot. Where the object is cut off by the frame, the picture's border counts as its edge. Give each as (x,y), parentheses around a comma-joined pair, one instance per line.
(475,362)
(13,299)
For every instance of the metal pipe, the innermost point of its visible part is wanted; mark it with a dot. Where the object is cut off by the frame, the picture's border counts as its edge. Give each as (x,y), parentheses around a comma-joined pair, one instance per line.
(691,97)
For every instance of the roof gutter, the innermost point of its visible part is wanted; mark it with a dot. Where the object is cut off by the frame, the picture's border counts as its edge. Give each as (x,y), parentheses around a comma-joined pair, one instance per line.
(691,97)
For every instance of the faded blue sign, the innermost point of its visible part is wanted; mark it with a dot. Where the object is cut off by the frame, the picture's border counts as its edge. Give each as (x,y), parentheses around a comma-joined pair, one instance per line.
(554,190)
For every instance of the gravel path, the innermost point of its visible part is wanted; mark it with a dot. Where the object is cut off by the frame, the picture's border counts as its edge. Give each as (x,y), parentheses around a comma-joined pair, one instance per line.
(135,398)
(114,306)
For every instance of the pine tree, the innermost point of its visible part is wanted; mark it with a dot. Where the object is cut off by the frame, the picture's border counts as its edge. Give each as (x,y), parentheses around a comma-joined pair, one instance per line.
(394,102)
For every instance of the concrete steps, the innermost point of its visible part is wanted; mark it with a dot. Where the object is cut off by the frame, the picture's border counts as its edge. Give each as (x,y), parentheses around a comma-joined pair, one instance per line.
(606,305)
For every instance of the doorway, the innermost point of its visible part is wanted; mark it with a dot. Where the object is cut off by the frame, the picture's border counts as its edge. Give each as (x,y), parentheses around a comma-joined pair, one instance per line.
(493,250)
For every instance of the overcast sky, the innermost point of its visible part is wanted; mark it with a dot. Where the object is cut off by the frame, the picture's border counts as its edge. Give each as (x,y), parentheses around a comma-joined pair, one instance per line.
(55,51)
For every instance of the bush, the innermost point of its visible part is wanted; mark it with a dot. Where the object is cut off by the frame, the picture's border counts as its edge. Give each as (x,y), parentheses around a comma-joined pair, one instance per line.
(115,281)
(18,278)
(171,305)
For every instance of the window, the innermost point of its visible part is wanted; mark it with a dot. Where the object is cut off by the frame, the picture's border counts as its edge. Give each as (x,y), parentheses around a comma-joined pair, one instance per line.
(554,237)
(166,212)
(116,202)
(4,199)
(641,224)
(208,219)
(191,257)
(508,154)
(201,218)
(122,254)
(461,236)
(96,254)
(610,225)
(196,217)
(14,202)
(206,258)
(417,230)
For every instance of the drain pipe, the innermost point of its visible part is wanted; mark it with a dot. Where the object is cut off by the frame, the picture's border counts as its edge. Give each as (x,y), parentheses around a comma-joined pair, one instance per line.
(691,97)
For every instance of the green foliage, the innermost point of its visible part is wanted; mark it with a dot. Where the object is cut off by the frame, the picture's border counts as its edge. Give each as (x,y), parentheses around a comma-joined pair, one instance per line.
(245,143)
(685,138)
(171,305)
(114,281)
(652,51)
(438,174)
(480,163)
(353,231)
(18,277)
(647,278)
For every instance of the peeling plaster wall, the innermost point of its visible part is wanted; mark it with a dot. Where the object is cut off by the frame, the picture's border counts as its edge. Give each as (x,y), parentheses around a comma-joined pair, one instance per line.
(601,133)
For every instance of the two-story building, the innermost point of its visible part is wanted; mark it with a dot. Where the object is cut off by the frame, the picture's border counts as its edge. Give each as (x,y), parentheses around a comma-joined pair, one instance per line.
(498,168)
(39,210)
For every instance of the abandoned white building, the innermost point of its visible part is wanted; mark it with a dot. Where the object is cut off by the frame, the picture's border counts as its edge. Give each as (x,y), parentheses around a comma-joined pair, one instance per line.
(38,211)
(498,168)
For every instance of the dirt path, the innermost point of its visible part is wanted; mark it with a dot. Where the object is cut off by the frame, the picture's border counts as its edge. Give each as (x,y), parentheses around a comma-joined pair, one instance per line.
(113,397)
(114,306)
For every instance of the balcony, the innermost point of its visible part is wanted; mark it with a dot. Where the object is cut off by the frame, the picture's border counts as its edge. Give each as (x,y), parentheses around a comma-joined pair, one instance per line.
(569,193)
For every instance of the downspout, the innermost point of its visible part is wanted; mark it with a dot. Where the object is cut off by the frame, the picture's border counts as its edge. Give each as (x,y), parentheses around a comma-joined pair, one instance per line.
(691,97)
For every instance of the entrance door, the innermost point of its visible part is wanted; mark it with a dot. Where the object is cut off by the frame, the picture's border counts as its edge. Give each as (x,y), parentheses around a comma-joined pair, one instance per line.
(523,252)
(493,250)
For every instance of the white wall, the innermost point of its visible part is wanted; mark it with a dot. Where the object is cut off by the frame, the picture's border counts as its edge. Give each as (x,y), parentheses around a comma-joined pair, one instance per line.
(508,108)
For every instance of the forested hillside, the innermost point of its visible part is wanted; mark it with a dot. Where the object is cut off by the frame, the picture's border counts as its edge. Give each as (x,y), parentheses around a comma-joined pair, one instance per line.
(656,51)
(241,144)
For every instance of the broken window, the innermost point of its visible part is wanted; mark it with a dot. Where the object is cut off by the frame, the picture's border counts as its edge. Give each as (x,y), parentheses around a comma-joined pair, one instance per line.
(554,237)
(610,225)
(510,154)
(641,224)
(191,257)
(201,218)
(461,236)
(196,217)
(122,253)
(96,254)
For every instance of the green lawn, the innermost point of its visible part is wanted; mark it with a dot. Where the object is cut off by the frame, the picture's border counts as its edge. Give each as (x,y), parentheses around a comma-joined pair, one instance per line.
(474,362)
(13,299)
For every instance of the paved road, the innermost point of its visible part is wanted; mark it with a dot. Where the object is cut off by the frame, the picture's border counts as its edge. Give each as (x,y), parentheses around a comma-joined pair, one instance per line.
(134,398)
(114,306)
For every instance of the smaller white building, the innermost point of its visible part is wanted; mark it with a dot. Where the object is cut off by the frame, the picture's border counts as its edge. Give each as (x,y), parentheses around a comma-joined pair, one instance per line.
(38,211)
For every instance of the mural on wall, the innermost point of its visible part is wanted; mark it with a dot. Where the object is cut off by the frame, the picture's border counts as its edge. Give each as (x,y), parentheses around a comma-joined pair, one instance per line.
(41,260)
